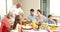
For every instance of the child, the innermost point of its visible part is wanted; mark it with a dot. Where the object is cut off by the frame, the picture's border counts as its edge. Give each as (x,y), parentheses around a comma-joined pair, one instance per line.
(50,20)
(16,25)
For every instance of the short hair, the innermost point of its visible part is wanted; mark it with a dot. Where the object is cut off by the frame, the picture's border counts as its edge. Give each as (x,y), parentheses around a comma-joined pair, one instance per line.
(49,16)
(39,10)
(32,10)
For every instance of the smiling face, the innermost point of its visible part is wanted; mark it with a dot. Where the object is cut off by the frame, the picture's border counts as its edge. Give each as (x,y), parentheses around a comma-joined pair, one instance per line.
(18,5)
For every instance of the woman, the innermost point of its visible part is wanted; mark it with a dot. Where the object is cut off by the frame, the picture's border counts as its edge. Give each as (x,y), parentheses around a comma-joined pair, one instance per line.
(16,25)
(40,17)
(6,26)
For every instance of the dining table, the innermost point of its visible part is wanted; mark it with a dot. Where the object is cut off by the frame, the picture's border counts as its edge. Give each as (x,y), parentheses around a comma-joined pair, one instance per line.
(35,30)
(30,29)
(58,28)
(42,30)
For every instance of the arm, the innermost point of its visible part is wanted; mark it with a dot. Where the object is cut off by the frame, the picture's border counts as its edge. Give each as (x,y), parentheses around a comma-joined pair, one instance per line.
(45,19)
(19,28)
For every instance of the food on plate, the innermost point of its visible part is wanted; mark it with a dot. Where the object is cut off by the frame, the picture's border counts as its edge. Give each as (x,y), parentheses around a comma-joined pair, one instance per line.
(34,24)
(53,27)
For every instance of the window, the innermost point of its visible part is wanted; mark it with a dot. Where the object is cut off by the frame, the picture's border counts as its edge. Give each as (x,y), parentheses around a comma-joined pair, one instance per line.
(55,9)
(2,7)
(5,5)
(9,5)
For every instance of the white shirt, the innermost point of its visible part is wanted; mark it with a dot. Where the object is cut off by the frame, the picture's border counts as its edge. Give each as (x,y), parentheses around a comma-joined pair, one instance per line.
(16,10)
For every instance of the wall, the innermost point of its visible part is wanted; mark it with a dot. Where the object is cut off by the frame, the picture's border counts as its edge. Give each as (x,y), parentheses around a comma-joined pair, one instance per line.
(28,4)
(16,1)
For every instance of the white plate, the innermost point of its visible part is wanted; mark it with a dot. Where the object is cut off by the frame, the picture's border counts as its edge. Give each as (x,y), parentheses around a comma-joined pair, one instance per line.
(27,27)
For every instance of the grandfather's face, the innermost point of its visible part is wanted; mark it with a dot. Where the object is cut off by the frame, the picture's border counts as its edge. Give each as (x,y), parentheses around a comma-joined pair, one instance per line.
(18,5)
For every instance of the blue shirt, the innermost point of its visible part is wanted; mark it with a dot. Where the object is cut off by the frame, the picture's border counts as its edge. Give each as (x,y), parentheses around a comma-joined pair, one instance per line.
(51,22)
(32,18)
(43,19)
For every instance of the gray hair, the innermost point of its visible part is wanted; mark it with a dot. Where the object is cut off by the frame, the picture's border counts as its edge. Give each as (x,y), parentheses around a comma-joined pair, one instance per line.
(9,14)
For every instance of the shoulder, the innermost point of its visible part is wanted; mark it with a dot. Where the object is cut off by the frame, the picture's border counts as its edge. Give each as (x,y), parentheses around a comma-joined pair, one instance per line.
(13,7)
(19,26)
(35,15)
(5,18)
(53,21)
(20,9)
(44,16)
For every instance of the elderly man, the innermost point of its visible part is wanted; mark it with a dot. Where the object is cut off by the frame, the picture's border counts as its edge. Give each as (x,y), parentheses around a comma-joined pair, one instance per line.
(16,9)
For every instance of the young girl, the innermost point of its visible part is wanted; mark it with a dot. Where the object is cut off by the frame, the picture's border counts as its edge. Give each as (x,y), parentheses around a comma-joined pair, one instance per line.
(16,25)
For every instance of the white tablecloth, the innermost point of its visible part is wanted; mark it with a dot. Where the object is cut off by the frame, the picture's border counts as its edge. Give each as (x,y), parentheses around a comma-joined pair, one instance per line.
(34,31)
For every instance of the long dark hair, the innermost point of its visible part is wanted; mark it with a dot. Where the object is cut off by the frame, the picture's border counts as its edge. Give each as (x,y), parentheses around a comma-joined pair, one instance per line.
(17,21)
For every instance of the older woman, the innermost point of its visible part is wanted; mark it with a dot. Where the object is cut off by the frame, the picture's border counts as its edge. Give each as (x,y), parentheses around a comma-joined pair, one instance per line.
(40,17)
(6,26)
